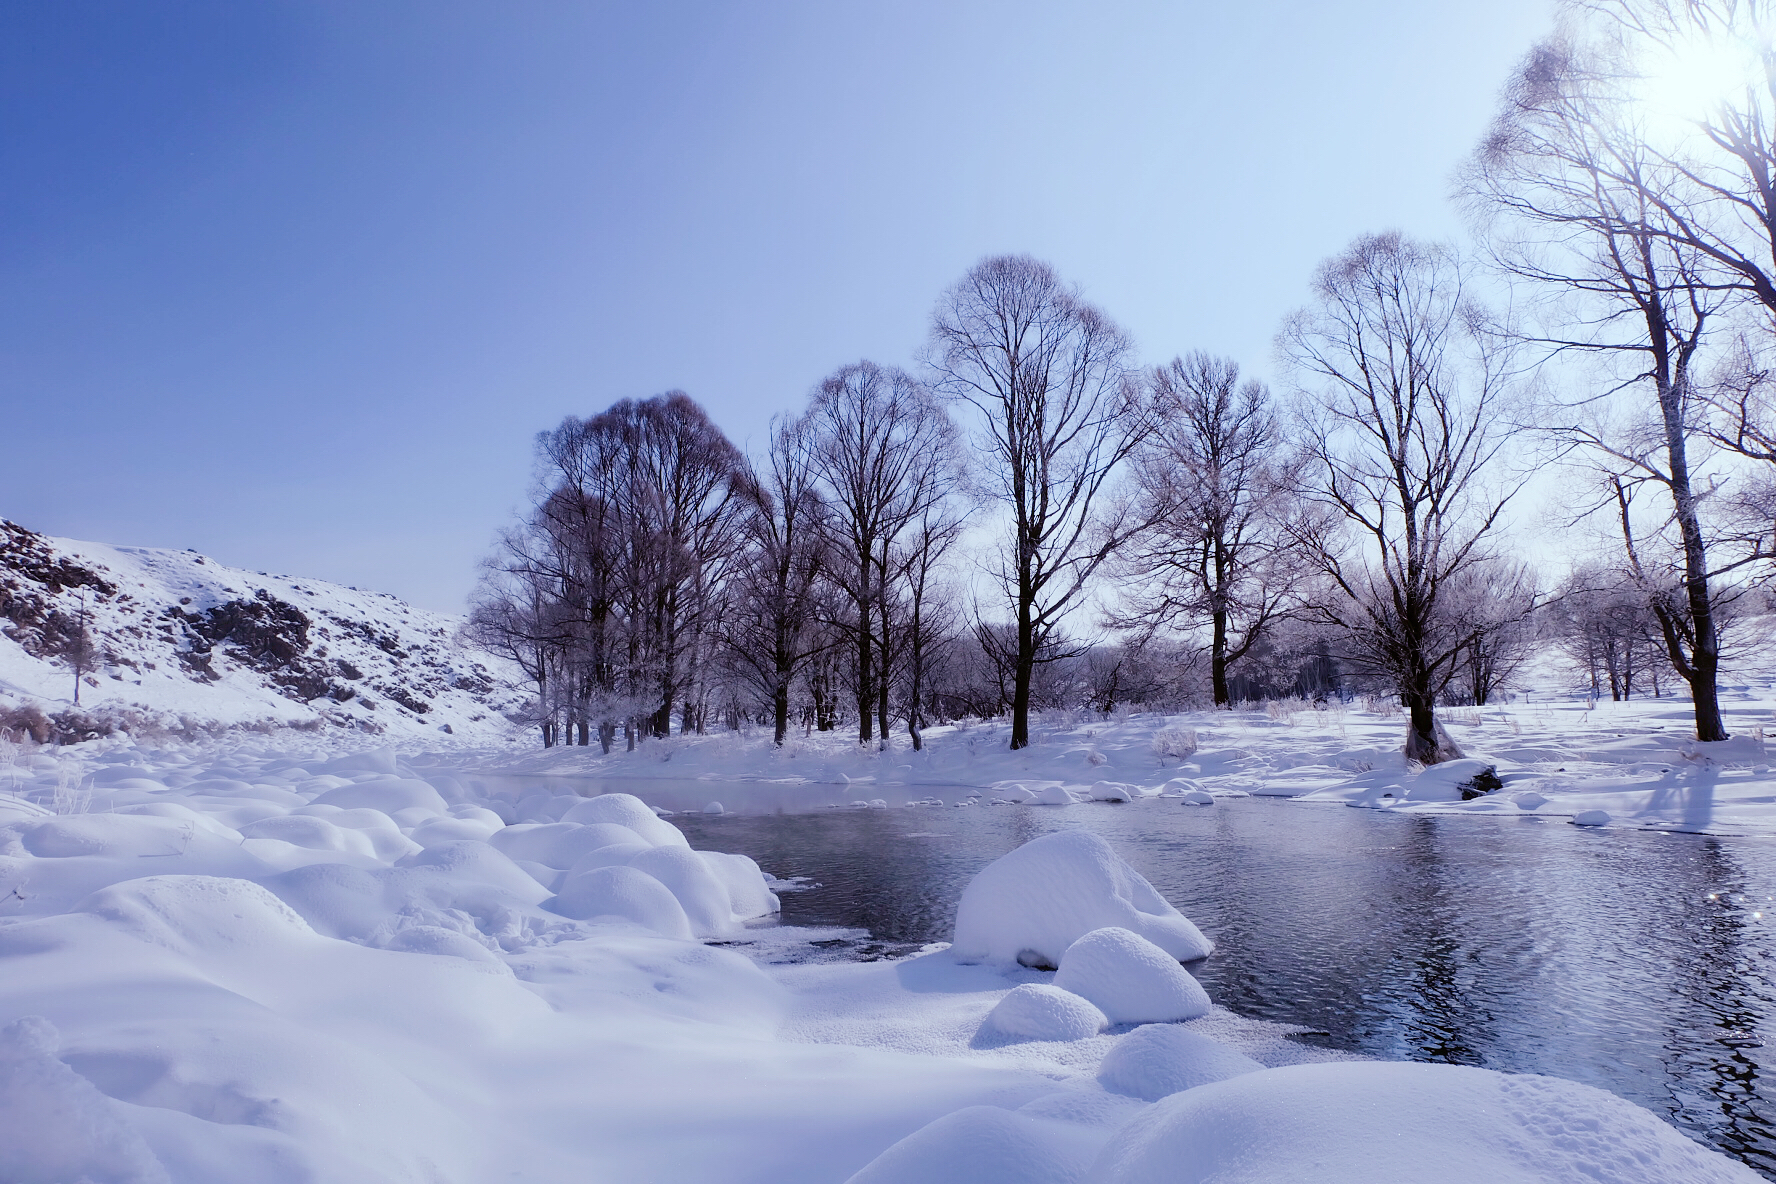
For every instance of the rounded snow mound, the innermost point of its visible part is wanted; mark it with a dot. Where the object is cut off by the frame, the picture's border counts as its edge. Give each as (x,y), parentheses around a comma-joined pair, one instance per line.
(1374,1122)
(197,912)
(1158,1060)
(627,810)
(1591,818)
(1034,902)
(1036,1011)
(396,793)
(1051,795)
(627,893)
(1446,782)
(1131,980)
(984,1145)
(704,898)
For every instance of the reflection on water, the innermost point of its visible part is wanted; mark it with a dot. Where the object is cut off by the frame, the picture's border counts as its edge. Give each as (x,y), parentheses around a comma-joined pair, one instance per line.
(1640,963)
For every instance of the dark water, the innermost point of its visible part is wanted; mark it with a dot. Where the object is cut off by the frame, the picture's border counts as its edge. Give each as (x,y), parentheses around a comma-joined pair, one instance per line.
(1640,963)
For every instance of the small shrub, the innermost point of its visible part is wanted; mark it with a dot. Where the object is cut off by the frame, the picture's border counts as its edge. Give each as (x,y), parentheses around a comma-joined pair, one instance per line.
(1178,743)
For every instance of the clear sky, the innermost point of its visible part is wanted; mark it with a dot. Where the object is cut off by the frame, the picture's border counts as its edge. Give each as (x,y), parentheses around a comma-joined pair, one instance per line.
(295,284)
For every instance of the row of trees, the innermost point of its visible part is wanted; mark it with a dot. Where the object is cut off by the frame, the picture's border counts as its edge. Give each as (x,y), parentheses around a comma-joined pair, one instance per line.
(1356,525)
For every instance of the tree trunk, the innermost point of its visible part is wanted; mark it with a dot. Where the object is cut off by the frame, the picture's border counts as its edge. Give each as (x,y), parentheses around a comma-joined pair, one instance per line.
(780,710)
(1421,728)
(1218,661)
(1022,676)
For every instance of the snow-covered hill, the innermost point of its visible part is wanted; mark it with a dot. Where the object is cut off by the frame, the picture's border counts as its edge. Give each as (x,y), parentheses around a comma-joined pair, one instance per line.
(171,641)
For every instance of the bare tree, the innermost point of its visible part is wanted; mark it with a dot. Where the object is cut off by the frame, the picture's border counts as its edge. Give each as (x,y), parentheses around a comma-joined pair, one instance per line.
(1214,490)
(1403,399)
(1058,414)
(772,629)
(886,456)
(1582,204)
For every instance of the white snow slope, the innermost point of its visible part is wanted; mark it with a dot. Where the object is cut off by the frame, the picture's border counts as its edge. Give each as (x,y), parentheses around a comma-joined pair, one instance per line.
(183,645)
(225,962)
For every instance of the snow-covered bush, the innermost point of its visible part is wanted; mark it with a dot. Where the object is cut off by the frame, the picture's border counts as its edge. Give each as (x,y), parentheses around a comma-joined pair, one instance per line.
(1175,743)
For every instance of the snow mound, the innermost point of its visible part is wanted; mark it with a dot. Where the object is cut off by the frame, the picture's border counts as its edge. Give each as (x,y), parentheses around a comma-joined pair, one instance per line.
(1196,797)
(1131,980)
(1452,781)
(748,894)
(1033,903)
(559,845)
(55,1126)
(627,893)
(1113,791)
(1158,1060)
(627,810)
(1037,1011)
(984,1145)
(1591,818)
(1372,1122)
(1052,795)
(703,897)
(198,912)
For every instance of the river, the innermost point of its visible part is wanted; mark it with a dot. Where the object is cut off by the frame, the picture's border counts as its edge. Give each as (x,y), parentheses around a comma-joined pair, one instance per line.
(1637,962)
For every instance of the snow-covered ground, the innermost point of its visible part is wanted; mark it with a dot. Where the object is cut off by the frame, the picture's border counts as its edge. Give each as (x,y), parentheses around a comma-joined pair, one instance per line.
(181,644)
(267,960)
(1556,754)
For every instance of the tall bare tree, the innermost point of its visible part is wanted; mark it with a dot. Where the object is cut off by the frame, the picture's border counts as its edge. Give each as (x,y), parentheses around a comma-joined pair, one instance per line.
(1580,203)
(1058,412)
(1404,425)
(773,625)
(886,456)
(1214,490)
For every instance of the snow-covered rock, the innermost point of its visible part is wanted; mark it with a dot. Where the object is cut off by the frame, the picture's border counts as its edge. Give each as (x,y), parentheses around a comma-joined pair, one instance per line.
(1373,1122)
(1113,791)
(1591,818)
(1157,1060)
(1131,980)
(1036,901)
(1038,1011)
(1053,794)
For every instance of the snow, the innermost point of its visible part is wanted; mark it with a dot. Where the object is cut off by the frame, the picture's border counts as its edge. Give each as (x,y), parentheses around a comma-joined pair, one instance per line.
(1040,1011)
(1158,1060)
(984,1145)
(192,647)
(264,957)
(1033,903)
(1380,1123)
(1131,980)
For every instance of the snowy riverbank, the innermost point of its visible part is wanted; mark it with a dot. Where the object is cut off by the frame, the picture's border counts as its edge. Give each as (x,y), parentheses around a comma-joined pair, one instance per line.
(1556,756)
(252,963)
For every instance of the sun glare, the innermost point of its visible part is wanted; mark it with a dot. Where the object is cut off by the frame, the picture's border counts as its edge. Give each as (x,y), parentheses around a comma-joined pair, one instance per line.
(1686,84)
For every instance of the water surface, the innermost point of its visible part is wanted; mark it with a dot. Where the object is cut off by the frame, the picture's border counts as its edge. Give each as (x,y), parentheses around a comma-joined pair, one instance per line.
(1637,962)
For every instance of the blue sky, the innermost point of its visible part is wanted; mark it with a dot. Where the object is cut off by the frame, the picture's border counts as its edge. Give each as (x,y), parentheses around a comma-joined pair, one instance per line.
(295,284)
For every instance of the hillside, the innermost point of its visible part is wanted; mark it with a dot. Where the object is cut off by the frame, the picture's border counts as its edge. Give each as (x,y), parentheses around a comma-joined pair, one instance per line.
(173,642)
